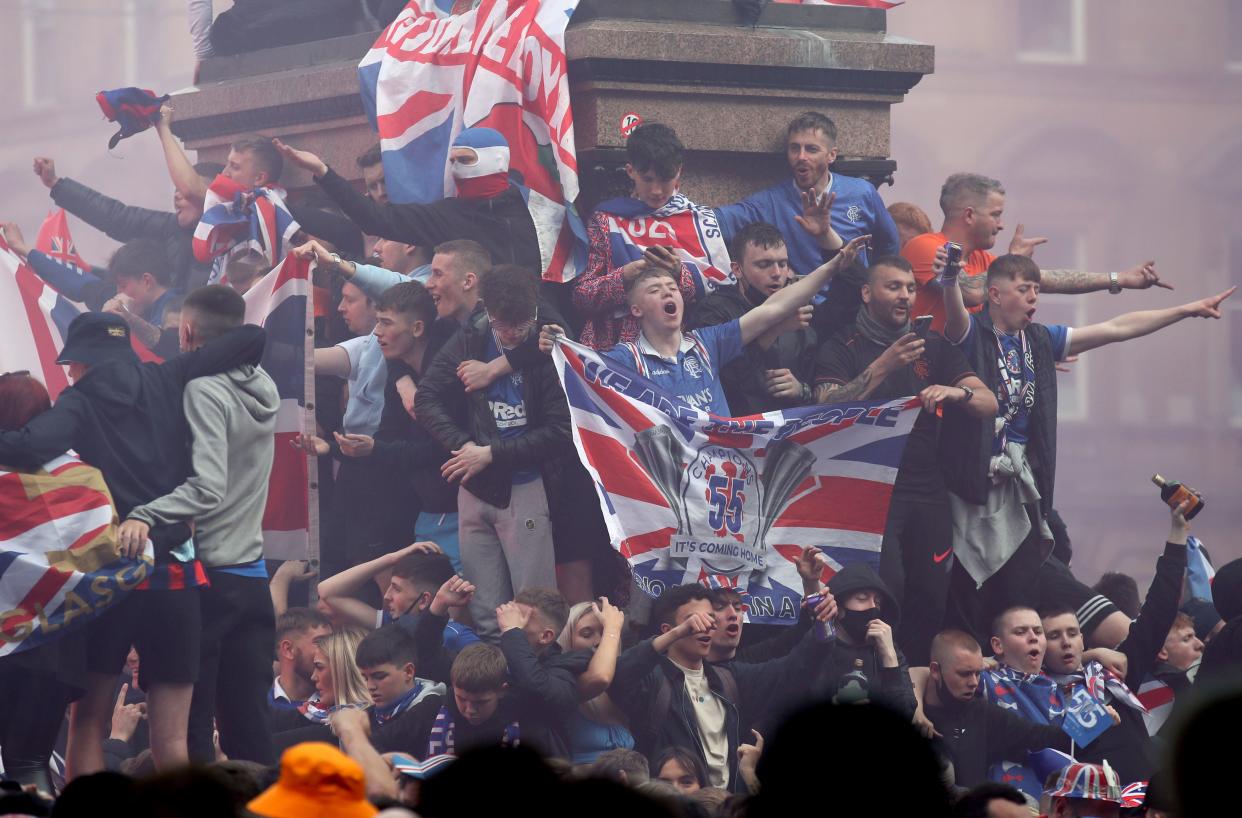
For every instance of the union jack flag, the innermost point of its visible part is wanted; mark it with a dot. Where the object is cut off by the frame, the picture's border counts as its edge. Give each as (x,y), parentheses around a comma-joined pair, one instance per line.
(1133,796)
(280,302)
(237,219)
(691,497)
(58,562)
(1092,781)
(501,65)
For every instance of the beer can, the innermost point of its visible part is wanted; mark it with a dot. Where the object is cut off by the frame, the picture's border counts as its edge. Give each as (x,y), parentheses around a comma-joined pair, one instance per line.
(824,631)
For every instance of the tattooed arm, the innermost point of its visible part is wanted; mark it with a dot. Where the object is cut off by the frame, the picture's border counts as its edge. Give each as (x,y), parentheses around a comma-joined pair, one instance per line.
(829,387)
(1138,277)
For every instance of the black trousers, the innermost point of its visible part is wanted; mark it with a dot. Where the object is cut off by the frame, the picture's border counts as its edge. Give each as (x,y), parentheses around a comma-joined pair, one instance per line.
(915,559)
(34,707)
(235,671)
(1017,583)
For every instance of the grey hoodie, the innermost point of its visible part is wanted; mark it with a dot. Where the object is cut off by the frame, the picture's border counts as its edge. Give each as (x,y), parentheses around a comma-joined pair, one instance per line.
(232,418)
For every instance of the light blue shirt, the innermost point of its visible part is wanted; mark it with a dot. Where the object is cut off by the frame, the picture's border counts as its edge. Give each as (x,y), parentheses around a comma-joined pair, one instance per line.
(368,372)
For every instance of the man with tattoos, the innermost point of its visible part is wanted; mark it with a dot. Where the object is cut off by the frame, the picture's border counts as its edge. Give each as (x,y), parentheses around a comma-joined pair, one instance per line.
(973,206)
(878,358)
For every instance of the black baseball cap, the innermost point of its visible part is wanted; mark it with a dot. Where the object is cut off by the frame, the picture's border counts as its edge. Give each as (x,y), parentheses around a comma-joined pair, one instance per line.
(95,337)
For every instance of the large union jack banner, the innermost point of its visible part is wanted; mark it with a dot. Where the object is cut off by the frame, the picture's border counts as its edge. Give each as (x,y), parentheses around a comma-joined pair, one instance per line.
(433,73)
(693,497)
(58,563)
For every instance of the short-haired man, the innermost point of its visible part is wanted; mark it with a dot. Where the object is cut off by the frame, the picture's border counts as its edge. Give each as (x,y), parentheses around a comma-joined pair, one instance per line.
(410,578)
(910,219)
(121,222)
(296,632)
(776,369)
(1126,745)
(1171,677)
(505,443)
(972,207)
(487,208)
(371,163)
(479,713)
(141,271)
(798,206)
(127,420)
(403,705)
(974,734)
(656,226)
(685,364)
(232,418)
(674,697)
(880,357)
(543,679)
(1001,470)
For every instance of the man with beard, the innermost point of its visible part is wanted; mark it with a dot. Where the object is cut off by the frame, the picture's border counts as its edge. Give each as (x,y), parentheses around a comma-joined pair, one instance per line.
(881,357)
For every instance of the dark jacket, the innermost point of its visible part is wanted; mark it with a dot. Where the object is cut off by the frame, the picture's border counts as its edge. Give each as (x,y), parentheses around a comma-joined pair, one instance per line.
(1127,745)
(502,224)
(889,686)
(544,689)
(455,418)
(966,442)
(1222,658)
(409,731)
(126,419)
(123,223)
(744,378)
(642,673)
(405,449)
(978,734)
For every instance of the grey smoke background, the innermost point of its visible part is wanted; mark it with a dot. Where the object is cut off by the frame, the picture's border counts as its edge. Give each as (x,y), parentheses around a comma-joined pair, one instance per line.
(1113,124)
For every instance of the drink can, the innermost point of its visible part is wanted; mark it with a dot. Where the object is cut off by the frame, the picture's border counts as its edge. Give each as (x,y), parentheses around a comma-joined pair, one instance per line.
(824,631)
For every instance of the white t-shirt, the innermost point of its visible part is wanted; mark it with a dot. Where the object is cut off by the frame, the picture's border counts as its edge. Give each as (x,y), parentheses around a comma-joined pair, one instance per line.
(709,711)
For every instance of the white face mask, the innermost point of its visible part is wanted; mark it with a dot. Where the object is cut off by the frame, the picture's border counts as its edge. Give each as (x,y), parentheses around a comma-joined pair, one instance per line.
(490,161)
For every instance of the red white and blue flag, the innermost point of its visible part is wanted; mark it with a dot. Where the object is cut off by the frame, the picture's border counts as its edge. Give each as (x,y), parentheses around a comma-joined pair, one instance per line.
(34,315)
(58,563)
(280,302)
(237,220)
(501,65)
(691,231)
(692,497)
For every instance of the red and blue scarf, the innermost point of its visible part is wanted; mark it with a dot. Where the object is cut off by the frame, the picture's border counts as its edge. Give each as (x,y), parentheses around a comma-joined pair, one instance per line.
(691,230)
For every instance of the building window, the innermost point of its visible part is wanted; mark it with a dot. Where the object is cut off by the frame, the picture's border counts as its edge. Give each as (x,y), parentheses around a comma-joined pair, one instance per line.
(1052,31)
(42,52)
(1233,35)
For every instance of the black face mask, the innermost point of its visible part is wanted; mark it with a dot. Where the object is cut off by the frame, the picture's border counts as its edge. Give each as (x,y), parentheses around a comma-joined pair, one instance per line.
(855,623)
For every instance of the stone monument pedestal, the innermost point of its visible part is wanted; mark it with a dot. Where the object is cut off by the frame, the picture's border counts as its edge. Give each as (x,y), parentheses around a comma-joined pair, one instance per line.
(729,90)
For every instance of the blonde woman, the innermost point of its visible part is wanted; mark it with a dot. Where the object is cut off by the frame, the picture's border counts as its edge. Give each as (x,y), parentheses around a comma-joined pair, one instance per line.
(598,726)
(337,680)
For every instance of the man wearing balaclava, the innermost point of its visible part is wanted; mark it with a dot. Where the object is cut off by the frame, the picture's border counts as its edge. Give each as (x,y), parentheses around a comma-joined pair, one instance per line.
(865,664)
(486,209)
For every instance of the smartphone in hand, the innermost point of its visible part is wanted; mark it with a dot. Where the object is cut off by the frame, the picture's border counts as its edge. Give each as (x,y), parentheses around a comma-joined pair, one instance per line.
(921,326)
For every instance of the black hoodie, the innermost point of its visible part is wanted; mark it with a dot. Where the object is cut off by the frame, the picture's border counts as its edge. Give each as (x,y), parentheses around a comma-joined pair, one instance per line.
(125,418)
(887,686)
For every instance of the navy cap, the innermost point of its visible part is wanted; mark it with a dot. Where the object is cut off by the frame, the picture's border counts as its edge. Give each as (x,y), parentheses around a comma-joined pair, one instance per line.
(95,337)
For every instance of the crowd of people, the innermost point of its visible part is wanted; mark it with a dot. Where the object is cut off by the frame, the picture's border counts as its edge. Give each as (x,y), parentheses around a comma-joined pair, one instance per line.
(469,637)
